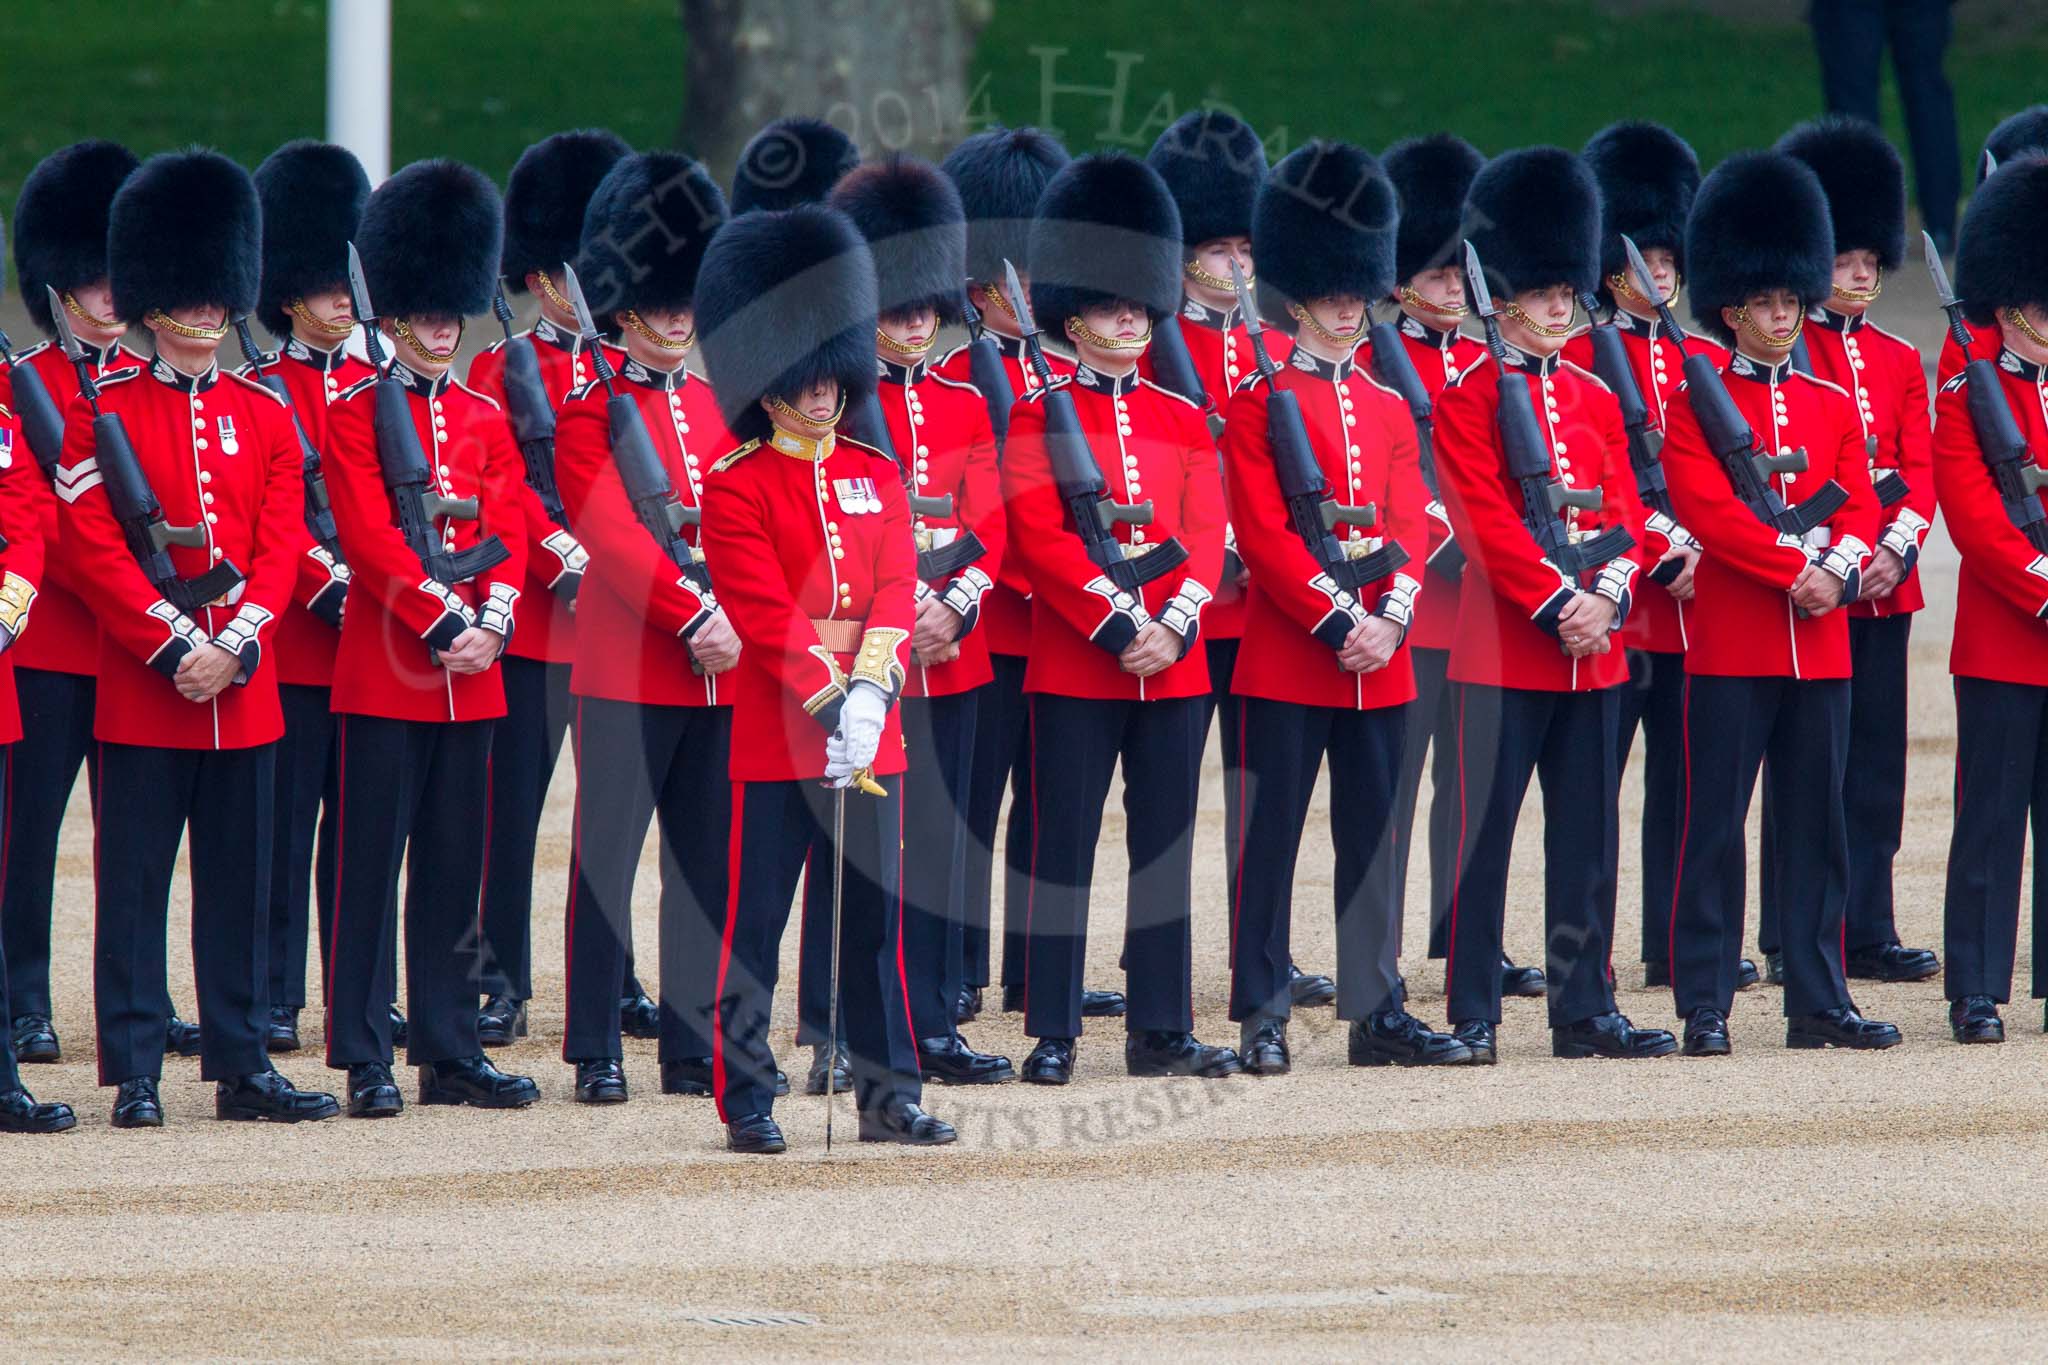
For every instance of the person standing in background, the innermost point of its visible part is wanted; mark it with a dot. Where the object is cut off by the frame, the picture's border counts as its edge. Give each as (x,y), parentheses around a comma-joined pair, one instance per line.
(1849,38)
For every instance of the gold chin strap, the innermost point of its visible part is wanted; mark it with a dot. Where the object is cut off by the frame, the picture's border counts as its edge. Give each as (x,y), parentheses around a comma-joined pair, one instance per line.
(157,317)
(900,349)
(995,296)
(1103,343)
(72,307)
(1765,339)
(1307,319)
(1409,296)
(633,320)
(1621,286)
(1860,295)
(1194,271)
(420,348)
(554,295)
(775,401)
(2026,329)
(1516,311)
(298,309)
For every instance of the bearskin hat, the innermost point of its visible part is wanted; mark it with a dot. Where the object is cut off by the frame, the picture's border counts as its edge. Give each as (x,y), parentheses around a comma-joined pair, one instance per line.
(545,196)
(60,222)
(1325,223)
(184,230)
(2026,131)
(1647,176)
(1534,215)
(1213,165)
(1760,221)
(1864,180)
(1106,229)
(1001,172)
(789,162)
(911,215)
(645,233)
(430,241)
(2002,254)
(787,299)
(1431,176)
(312,195)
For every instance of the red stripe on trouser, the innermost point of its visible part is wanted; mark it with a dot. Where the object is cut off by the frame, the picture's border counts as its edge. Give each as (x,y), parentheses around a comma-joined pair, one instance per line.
(575,875)
(1684,828)
(719,1019)
(96,921)
(902,974)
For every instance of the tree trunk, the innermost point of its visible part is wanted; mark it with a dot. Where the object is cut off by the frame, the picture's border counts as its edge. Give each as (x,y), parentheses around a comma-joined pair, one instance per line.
(891,73)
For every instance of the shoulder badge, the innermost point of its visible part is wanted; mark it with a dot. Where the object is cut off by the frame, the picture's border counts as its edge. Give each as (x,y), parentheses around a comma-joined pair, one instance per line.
(581,389)
(1956,382)
(727,461)
(248,383)
(352,390)
(101,382)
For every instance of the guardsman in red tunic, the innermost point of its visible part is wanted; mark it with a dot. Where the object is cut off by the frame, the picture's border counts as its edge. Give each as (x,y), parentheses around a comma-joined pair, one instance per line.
(2022,134)
(1000,173)
(416,683)
(60,242)
(312,195)
(186,715)
(2000,653)
(1537,678)
(1865,184)
(654,652)
(1648,176)
(1213,163)
(1325,669)
(939,431)
(544,201)
(1767,657)
(808,537)
(1115,675)
(1430,176)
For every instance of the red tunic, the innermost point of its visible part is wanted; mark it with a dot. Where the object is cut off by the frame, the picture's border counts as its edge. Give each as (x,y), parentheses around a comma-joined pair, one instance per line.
(1152,446)
(397,616)
(796,533)
(1742,622)
(1439,358)
(1883,374)
(220,454)
(635,606)
(940,425)
(1986,343)
(66,638)
(547,627)
(1297,618)
(1508,585)
(307,639)
(2001,631)
(25,504)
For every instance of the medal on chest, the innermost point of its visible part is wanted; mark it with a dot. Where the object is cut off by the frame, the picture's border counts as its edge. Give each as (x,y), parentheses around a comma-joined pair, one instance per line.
(229,444)
(857,497)
(6,448)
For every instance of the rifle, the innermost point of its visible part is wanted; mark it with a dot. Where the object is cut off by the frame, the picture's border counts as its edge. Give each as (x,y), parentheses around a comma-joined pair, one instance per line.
(985,366)
(1173,369)
(1311,510)
(1999,440)
(1078,478)
(1392,367)
(319,511)
(533,416)
(415,506)
(134,503)
(1889,484)
(1645,438)
(1544,499)
(934,563)
(41,423)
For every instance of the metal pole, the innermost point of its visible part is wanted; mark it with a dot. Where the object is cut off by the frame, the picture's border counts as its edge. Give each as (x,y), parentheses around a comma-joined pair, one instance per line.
(359,81)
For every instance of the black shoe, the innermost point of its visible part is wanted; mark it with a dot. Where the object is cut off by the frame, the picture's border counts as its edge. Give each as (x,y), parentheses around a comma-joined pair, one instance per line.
(372,1094)
(1523,981)
(781,1082)
(473,1080)
(639,1017)
(501,1021)
(1610,1035)
(1974,1019)
(842,1076)
(1478,1037)
(284,1030)
(949,1061)
(1746,974)
(600,1081)
(967,1008)
(181,1037)
(1706,1033)
(1398,1038)
(268,1095)
(1309,991)
(1177,1054)
(1051,1062)
(401,1032)
(688,1076)
(754,1135)
(1774,969)
(136,1104)
(1102,1004)
(1840,1027)
(1262,1046)
(906,1124)
(19,1113)
(1656,975)
(1013,1000)
(1890,962)
(35,1042)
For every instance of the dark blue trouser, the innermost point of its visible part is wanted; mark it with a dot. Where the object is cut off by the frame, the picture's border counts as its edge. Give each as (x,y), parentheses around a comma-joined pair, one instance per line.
(2001,787)
(56,736)
(1654,700)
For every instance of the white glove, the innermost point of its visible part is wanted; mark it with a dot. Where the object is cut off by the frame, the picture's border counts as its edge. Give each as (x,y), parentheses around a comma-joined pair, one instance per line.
(838,772)
(861,717)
